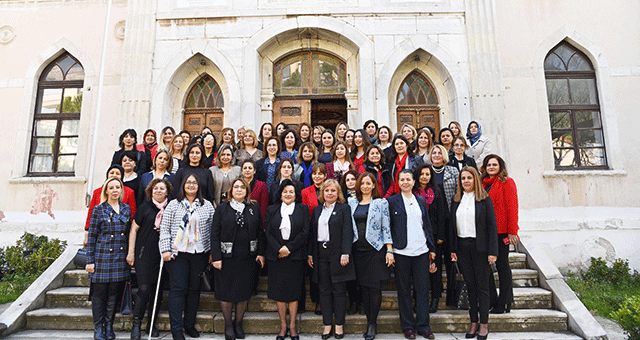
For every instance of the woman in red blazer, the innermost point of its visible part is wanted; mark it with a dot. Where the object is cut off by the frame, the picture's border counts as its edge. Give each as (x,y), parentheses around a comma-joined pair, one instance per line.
(504,196)
(259,190)
(310,194)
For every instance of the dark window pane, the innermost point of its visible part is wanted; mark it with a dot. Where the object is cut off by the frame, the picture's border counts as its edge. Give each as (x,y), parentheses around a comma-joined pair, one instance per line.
(562,139)
(66,163)
(401,99)
(587,119)
(554,63)
(583,91)
(560,120)
(75,73)
(557,92)
(220,100)
(328,74)
(65,63)
(579,63)
(592,157)
(42,145)
(51,99)
(590,138)
(69,145)
(45,128)
(564,52)
(41,163)
(72,102)
(55,74)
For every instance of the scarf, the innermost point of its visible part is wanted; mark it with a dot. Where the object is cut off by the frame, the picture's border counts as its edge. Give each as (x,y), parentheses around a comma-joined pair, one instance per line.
(400,162)
(239,208)
(427,194)
(306,171)
(487,183)
(189,232)
(285,226)
(160,206)
(474,138)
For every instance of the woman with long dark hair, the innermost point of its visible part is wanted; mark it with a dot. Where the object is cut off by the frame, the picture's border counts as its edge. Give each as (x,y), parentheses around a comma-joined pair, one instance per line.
(127,142)
(317,136)
(210,149)
(402,157)
(374,162)
(266,132)
(326,149)
(307,157)
(194,166)
(290,144)
(259,191)
(285,171)
(445,137)
(424,142)
(223,173)
(304,131)
(341,161)
(360,145)
(267,167)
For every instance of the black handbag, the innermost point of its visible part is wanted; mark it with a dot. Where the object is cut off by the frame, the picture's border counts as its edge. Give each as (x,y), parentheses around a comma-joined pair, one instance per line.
(205,279)
(80,261)
(460,291)
(126,299)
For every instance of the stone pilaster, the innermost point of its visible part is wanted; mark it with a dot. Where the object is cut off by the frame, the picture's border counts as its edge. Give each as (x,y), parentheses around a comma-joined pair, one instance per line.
(487,102)
(137,66)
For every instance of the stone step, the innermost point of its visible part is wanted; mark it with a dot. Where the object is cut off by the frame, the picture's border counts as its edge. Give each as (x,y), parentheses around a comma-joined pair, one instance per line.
(529,320)
(76,297)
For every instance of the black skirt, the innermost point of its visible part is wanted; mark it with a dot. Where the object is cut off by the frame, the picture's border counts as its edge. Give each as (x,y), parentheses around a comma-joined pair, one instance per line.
(286,279)
(234,283)
(371,267)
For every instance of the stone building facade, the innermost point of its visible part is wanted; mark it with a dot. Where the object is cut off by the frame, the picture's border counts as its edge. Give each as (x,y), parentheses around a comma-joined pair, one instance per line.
(566,127)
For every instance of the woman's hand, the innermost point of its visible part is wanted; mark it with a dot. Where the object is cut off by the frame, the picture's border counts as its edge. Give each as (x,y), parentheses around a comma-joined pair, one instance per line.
(260,259)
(90,268)
(284,252)
(130,259)
(86,238)
(344,260)
(492,259)
(454,257)
(432,268)
(390,260)
(513,239)
(310,261)
(217,265)
(439,241)
(166,256)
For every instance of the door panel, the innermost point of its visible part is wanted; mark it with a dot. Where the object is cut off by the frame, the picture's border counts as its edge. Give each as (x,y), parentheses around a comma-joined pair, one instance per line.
(291,112)
(418,117)
(195,120)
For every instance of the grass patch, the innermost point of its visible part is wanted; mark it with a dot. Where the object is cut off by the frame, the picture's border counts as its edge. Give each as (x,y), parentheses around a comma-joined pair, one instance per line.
(601,298)
(13,285)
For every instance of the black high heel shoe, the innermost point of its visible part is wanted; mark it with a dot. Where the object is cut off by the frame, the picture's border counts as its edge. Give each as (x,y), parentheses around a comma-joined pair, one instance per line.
(472,335)
(501,309)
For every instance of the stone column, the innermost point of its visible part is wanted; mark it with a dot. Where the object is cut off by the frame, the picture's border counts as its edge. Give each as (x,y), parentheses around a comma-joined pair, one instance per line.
(137,66)
(487,102)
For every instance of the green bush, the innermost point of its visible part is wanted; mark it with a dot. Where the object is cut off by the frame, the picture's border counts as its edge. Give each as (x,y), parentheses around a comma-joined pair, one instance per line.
(618,274)
(628,316)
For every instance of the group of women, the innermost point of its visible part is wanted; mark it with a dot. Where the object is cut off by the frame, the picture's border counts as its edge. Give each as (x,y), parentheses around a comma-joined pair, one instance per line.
(344,208)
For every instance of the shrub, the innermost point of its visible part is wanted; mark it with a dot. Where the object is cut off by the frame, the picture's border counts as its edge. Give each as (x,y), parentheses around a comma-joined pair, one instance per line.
(618,274)
(32,254)
(628,316)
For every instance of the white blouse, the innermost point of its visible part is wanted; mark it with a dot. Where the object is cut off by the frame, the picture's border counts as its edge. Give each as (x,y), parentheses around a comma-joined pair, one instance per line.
(466,216)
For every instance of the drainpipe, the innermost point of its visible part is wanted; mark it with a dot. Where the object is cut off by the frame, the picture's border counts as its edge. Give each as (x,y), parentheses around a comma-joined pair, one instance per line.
(94,144)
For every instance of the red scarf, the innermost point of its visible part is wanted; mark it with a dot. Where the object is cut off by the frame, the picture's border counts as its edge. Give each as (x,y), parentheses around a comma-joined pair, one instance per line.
(488,182)
(400,162)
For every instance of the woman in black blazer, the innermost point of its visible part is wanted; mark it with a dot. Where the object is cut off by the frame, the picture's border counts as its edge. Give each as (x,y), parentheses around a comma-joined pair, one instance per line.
(286,228)
(330,243)
(474,242)
(237,242)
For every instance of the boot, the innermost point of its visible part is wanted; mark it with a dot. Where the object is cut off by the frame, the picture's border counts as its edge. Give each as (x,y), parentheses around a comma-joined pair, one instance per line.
(434,305)
(135,328)
(371,332)
(109,317)
(97,309)
(153,329)
(238,330)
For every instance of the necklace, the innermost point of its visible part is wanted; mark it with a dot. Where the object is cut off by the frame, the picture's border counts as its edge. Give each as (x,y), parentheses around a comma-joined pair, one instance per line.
(438,171)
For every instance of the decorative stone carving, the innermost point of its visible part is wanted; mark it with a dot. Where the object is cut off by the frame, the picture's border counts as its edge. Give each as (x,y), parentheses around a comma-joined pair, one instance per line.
(6,34)
(291,111)
(120,29)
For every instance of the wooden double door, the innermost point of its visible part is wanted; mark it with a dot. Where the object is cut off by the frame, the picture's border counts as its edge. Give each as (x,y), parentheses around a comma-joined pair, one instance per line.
(196,119)
(327,112)
(419,117)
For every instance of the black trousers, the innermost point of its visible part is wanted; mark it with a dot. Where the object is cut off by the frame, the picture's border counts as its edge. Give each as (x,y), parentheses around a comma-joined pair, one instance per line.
(333,295)
(184,294)
(504,274)
(474,266)
(435,279)
(413,269)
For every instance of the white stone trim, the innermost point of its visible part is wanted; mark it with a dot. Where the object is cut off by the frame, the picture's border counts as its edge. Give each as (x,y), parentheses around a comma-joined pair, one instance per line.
(582,173)
(47,180)
(606,96)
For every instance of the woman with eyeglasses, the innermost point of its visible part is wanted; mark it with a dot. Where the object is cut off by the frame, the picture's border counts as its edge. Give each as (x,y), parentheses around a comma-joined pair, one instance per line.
(457,156)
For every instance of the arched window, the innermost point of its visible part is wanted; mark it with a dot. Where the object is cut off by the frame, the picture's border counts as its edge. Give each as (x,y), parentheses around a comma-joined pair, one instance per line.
(417,102)
(574,110)
(306,73)
(204,107)
(54,141)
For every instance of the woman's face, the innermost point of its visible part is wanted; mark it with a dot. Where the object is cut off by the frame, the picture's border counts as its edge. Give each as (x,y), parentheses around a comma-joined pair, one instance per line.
(185,138)
(166,136)
(307,154)
(374,156)
(304,132)
(248,171)
(128,164)
(178,144)
(348,137)
(286,170)
(159,192)
(341,151)
(458,147)
(225,157)
(357,139)
(195,155)
(280,129)
(241,134)
(208,142)
(205,131)
(267,132)
(289,140)
(473,128)
(383,135)
(405,181)
(425,176)
(162,161)
(317,135)
(341,130)
(330,194)
(227,137)
(436,157)
(238,191)
(407,133)
(149,138)
(113,190)
(366,186)
(466,178)
(350,181)
(327,140)
(371,129)
(114,173)
(272,147)
(454,128)
(423,141)
(318,177)
(128,141)
(288,194)
(248,140)
(400,146)
(191,186)
(446,137)
(493,167)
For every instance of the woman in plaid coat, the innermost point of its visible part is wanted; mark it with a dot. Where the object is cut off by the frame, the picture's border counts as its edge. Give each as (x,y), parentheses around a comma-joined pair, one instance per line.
(106,256)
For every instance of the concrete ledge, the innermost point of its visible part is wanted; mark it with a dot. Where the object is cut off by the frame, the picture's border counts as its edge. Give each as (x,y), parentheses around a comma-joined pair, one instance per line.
(580,320)
(34,297)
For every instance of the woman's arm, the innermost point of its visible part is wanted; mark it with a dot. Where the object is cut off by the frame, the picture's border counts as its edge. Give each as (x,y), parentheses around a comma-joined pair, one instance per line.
(299,239)
(216,230)
(492,228)
(347,234)
(165,230)
(133,233)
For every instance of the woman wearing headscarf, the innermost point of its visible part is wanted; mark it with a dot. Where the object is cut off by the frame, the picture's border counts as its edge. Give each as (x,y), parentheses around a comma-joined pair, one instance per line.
(479,145)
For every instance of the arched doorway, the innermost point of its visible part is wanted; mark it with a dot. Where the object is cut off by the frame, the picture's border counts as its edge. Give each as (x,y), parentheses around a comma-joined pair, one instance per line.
(203,107)
(417,102)
(309,87)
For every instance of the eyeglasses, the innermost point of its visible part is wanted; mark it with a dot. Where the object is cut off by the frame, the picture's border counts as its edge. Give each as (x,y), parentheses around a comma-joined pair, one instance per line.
(190,183)
(239,187)
(458,145)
